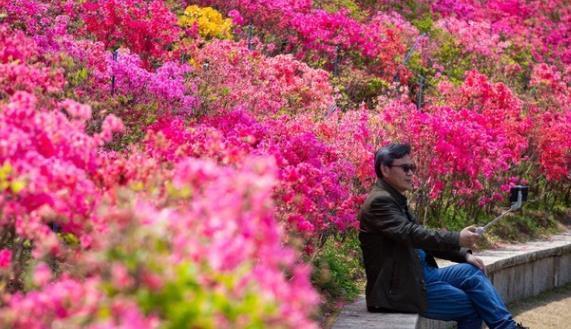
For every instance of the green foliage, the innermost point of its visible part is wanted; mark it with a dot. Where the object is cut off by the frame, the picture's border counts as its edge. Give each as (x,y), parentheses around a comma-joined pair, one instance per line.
(358,88)
(136,117)
(452,57)
(424,24)
(410,9)
(525,225)
(524,59)
(522,226)
(338,268)
(186,300)
(334,6)
(453,219)
(188,295)
(419,70)
(78,77)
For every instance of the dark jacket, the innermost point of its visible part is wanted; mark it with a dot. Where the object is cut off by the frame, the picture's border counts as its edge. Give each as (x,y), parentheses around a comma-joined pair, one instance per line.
(389,235)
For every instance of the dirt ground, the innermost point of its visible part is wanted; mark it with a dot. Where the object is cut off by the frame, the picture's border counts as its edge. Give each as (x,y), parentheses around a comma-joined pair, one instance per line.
(551,310)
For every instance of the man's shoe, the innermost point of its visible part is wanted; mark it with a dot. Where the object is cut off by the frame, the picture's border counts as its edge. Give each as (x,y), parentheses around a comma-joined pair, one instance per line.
(520,326)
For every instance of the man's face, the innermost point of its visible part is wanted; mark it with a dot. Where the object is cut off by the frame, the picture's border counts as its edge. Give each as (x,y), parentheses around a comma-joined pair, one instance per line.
(399,175)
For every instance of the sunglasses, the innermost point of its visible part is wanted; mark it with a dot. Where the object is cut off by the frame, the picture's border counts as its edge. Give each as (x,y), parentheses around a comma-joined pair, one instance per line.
(406,167)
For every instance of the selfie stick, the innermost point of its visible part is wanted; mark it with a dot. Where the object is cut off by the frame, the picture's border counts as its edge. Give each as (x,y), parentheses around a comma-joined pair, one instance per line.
(520,194)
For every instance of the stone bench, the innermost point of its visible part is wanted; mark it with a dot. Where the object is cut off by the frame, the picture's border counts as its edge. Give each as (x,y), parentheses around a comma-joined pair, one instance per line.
(517,271)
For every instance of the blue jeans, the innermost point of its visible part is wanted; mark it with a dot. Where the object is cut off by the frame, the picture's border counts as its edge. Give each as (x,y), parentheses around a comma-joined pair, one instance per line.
(464,294)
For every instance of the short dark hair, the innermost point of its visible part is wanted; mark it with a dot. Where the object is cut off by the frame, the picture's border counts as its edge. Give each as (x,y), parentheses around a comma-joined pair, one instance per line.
(387,154)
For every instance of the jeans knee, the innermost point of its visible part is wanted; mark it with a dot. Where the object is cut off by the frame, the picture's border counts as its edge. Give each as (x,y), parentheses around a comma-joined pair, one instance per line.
(474,278)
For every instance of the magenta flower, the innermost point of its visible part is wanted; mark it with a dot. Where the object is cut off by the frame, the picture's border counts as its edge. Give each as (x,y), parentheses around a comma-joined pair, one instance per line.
(5,258)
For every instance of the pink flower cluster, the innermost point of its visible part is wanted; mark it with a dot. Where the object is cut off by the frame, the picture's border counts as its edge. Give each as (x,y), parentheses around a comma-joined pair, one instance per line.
(31,13)
(468,145)
(313,193)
(145,27)
(22,66)
(240,227)
(553,129)
(263,85)
(167,87)
(56,163)
(475,36)
(52,305)
(527,24)
(379,40)
(551,89)
(227,250)
(501,107)
(355,135)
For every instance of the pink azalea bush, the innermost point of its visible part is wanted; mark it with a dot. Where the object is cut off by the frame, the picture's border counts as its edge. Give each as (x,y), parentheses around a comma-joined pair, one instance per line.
(465,149)
(503,110)
(32,14)
(227,254)
(528,24)
(382,40)
(312,193)
(51,166)
(440,138)
(554,145)
(551,99)
(550,89)
(232,75)
(147,28)
(23,66)
(478,37)
(167,87)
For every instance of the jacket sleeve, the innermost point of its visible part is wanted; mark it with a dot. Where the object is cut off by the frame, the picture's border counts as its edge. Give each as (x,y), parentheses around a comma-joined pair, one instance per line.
(385,217)
(458,256)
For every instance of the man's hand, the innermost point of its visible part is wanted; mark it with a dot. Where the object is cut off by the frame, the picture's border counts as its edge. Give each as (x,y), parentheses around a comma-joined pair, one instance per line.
(468,237)
(476,261)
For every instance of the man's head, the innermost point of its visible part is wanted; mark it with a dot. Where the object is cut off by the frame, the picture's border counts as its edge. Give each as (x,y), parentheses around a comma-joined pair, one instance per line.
(394,165)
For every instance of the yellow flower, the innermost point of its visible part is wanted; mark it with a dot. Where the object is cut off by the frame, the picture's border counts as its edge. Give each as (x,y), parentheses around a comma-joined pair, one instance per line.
(210,22)
(5,170)
(9,182)
(17,186)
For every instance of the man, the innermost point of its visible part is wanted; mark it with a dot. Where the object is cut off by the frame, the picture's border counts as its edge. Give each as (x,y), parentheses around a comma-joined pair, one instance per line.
(402,275)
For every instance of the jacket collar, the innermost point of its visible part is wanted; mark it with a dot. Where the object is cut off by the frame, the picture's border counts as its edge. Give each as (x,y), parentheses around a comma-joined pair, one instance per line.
(401,199)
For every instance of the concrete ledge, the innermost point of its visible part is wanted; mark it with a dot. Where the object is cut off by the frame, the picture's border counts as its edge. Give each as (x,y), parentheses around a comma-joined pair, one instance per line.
(517,271)
(355,315)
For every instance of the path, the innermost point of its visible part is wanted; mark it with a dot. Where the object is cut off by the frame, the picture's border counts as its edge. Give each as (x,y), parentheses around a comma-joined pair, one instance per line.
(550,310)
